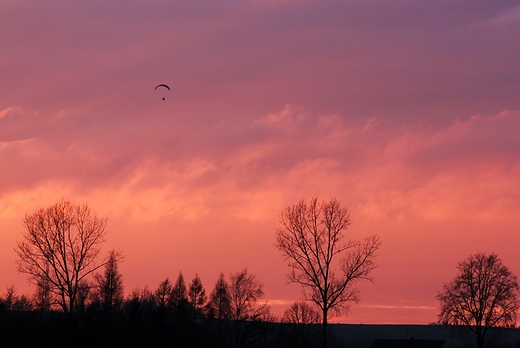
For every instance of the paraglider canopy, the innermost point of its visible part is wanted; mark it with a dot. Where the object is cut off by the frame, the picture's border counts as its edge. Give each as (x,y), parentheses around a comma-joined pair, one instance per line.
(162,85)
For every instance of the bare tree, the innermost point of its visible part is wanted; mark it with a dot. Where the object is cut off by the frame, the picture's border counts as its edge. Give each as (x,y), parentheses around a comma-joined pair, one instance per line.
(483,295)
(10,298)
(82,297)
(197,297)
(42,297)
(179,295)
(24,304)
(109,285)
(219,305)
(311,242)
(301,330)
(140,303)
(301,313)
(60,248)
(12,302)
(179,298)
(245,291)
(163,294)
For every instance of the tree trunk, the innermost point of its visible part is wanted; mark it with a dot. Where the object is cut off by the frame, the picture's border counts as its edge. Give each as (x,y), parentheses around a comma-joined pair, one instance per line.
(324,328)
(480,340)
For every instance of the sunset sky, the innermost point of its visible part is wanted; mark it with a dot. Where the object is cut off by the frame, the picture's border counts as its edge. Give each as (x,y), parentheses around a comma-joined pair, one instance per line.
(406,111)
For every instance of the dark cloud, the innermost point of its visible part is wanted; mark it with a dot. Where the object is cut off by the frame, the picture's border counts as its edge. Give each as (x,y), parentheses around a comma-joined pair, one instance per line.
(404,60)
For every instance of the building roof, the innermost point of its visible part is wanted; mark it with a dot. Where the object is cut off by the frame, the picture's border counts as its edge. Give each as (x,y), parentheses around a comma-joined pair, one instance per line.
(409,343)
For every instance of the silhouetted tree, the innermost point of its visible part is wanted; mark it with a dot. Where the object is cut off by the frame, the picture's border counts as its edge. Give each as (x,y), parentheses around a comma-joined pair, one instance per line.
(301,313)
(147,297)
(310,240)
(82,296)
(483,295)
(179,291)
(179,298)
(141,303)
(23,304)
(300,329)
(12,302)
(109,285)
(245,291)
(42,297)
(132,305)
(61,246)
(163,300)
(219,306)
(10,298)
(197,297)
(163,294)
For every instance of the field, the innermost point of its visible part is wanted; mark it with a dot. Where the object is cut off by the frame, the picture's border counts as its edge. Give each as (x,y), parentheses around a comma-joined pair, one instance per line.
(361,336)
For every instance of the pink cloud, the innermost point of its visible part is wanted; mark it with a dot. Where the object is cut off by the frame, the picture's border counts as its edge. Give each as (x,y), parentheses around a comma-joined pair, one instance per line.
(405,177)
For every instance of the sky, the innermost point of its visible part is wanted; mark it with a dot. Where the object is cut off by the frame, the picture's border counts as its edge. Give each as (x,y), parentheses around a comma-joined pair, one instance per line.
(406,111)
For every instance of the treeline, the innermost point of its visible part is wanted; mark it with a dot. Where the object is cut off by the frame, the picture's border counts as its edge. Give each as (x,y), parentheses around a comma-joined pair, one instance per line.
(60,254)
(177,314)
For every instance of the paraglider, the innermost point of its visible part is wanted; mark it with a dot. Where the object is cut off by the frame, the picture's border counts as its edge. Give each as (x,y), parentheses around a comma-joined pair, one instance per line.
(162,85)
